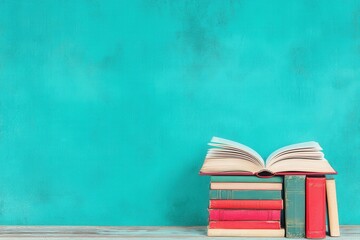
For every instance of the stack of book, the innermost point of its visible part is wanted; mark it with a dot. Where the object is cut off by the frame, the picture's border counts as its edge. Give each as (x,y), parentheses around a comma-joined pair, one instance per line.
(245,194)
(245,206)
(305,206)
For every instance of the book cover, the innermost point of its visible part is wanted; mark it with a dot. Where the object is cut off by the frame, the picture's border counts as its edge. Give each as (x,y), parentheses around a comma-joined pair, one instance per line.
(333,216)
(246,179)
(244,215)
(294,188)
(245,186)
(245,194)
(247,204)
(246,232)
(315,207)
(245,224)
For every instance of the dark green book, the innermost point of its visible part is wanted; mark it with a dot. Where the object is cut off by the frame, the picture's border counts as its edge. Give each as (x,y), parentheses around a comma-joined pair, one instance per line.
(254,179)
(294,187)
(245,194)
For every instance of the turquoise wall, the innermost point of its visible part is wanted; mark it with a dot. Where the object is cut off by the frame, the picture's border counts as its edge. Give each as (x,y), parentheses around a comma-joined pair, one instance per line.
(106,107)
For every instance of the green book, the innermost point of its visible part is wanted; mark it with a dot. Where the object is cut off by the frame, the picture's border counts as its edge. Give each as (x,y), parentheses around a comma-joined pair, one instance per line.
(294,187)
(253,179)
(245,194)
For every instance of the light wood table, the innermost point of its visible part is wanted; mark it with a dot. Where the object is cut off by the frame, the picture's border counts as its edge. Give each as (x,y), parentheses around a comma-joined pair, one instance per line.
(104,232)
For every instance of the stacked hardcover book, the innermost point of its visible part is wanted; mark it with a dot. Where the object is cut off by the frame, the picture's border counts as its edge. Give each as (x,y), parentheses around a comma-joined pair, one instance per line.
(245,206)
(246,191)
(305,206)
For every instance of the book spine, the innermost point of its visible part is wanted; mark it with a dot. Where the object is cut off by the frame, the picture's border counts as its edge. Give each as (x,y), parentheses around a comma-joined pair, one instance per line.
(315,207)
(332,208)
(294,187)
(245,232)
(245,186)
(247,204)
(245,224)
(244,215)
(255,179)
(245,194)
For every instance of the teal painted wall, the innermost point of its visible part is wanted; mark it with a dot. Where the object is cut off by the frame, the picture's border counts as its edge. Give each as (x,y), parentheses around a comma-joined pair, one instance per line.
(106,107)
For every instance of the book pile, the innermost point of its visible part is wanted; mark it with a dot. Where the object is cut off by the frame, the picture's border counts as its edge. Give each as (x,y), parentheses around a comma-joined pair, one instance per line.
(305,206)
(246,191)
(245,206)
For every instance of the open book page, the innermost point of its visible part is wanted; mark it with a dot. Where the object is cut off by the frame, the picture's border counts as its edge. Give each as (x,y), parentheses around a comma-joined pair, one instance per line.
(232,144)
(229,156)
(216,165)
(302,165)
(301,157)
(305,147)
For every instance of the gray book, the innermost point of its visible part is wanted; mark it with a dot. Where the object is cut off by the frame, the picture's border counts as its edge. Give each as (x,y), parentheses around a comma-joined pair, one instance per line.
(294,187)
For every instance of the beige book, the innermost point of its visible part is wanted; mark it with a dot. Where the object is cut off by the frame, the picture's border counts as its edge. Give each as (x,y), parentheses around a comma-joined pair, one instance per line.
(229,157)
(332,208)
(245,186)
(246,232)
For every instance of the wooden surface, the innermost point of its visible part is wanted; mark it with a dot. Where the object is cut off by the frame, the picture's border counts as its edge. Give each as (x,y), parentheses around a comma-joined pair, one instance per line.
(89,232)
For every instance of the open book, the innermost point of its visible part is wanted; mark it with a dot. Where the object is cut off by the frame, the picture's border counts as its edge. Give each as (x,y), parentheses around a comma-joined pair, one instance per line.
(231,158)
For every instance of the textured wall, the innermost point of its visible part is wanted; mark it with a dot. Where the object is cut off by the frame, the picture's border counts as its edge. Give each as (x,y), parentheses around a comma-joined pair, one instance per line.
(106,107)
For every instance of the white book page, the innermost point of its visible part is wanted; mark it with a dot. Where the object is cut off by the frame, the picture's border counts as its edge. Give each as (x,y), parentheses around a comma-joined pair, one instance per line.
(215,165)
(230,156)
(301,165)
(296,148)
(239,146)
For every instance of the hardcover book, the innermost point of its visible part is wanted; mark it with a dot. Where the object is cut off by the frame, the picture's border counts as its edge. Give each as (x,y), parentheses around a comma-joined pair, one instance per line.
(294,206)
(333,215)
(245,186)
(245,179)
(244,215)
(247,204)
(245,224)
(246,232)
(245,194)
(231,158)
(315,207)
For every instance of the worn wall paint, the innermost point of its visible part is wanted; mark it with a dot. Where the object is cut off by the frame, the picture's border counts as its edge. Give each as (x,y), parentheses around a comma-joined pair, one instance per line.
(106,106)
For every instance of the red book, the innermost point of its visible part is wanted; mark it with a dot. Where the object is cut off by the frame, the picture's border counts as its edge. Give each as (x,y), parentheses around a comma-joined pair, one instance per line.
(315,207)
(247,204)
(244,215)
(244,224)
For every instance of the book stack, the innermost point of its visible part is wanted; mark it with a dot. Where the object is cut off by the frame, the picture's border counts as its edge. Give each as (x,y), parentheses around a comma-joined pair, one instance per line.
(245,206)
(305,206)
(245,192)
